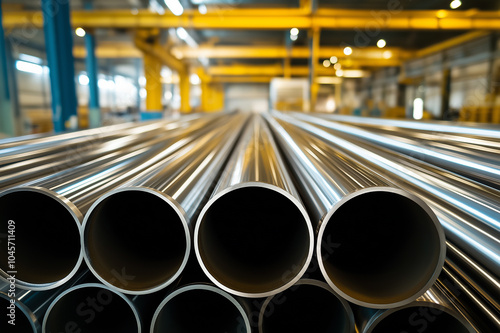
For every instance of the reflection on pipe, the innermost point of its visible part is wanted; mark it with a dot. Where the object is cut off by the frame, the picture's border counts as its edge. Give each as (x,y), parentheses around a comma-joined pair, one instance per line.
(200,308)
(91,308)
(308,306)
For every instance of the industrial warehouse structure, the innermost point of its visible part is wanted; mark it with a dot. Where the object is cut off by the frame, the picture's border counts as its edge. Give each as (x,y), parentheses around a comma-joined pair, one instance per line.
(249,166)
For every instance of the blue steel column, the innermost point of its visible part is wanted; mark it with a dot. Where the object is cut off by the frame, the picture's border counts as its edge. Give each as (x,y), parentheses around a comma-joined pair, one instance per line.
(59,49)
(6,116)
(91,64)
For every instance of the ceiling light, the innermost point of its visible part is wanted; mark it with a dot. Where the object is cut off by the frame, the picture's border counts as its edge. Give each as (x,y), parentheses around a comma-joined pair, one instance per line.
(202,9)
(294,32)
(326,63)
(83,79)
(455,4)
(387,54)
(29,67)
(347,50)
(80,32)
(337,66)
(381,43)
(175,7)
(339,73)
(293,37)
(334,59)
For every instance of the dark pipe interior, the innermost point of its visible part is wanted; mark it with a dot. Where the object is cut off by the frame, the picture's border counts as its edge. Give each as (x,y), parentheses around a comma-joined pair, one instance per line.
(380,247)
(47,238)
(418,319)
(305,308)
(253,240)
(23,323)
(91,310)
(137,233)
(199,311)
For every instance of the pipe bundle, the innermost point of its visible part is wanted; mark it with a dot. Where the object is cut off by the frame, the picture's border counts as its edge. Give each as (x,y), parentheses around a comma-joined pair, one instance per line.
(264,223)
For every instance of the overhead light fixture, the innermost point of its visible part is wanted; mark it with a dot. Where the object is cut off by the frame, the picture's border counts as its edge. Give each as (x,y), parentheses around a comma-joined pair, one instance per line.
(183,34)
(455,4)
(294,32)
(28,67)
(83,79)
(339,73)
(381,43)
(354,73)
(441,13)
(347,50)
(202,9)
(175,7)
(418,108)
(142,81)
(30,58)
(326,63)
(194,79)
(337,66)
(387,54)
(80,32)
(293,37)
(334,59)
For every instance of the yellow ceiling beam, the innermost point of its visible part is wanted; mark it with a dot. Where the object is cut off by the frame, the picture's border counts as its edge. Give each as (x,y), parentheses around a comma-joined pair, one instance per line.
(158,51)
(109,50)
(266,70)
(285,18)
(241,79)
(451,43)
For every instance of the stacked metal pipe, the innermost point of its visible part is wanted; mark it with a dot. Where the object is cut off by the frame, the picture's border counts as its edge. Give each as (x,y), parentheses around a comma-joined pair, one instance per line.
(281,223)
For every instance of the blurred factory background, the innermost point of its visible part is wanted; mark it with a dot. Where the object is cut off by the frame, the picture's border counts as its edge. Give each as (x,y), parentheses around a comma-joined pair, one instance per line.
(86,63)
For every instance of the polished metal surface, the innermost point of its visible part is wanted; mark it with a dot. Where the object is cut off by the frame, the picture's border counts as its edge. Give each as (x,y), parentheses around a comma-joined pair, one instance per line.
(308,306)
(90,308)
(474,168)
(432,312)
(52,208)
(364,252)
(254,238)
(200,308)
(468,211)
(159,204)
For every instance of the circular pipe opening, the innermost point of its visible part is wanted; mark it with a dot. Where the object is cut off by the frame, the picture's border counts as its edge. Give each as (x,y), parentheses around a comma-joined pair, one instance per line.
(20,315)
(91,308)
(309,306)
(136,240)
(46,235)
(413,319)
(254,240)
(381,247)
(200,308)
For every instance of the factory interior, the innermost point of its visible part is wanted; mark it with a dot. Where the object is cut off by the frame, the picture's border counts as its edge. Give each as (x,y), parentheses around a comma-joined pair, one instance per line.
(250,166)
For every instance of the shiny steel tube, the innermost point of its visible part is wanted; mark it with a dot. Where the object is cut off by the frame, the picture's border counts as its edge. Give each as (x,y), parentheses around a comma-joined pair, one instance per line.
(200,308)
(432,313)
(254,238)
(470,129)
(91,308)
(308,306)
(364,252)
(468,211)
(485,172)
(24,171)
(157,207)
(48,212)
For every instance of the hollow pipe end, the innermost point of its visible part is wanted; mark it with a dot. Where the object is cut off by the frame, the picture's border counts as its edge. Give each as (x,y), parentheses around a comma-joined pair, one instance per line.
(113,280)
(61,210)
(416,206)
(27,321)
(288,276)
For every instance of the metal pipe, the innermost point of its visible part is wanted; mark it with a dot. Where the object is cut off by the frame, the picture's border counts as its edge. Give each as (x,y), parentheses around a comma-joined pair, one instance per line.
(308,306)
(200,308)
(364,252)
(432,312)
(23,171)
(467,210)
(91,308)
(485,172)
(158,204)
(52,208)
(254,238)
(469,129)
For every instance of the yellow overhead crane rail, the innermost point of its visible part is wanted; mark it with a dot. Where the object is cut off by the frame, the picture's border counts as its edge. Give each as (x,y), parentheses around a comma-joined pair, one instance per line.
(286,18)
